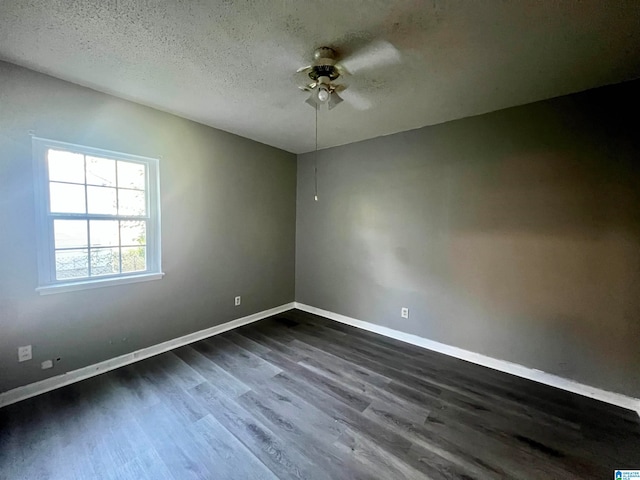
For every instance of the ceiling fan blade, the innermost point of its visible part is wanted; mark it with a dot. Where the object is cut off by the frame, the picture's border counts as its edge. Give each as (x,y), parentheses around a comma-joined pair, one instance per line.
(304,69)
(377,54)
(356,100)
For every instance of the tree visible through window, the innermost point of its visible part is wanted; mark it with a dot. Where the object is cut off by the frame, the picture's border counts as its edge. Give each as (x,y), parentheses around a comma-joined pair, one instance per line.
(100,213)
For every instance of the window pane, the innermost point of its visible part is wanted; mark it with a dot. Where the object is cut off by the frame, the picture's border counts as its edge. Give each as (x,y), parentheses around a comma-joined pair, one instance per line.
(105,261)
(70,233)
(133,233)
(102,200)
(65,166)
(101,171)
(134,259)
(71,264)
(131,175)
(66,198)
(104,233)
(131,202)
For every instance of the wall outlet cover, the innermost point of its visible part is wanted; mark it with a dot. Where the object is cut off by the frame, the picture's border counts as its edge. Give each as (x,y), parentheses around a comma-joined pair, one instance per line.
(24,353)
(46,364)
(238,300)
(404,312)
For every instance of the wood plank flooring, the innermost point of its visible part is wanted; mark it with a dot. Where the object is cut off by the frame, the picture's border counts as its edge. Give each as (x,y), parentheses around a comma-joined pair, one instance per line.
(297,396)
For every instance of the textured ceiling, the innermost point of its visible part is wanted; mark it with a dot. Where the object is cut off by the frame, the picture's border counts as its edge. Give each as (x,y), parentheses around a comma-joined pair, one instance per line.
(230,64)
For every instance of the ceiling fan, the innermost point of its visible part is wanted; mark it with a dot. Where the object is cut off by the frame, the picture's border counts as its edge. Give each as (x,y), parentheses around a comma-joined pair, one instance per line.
(327,72)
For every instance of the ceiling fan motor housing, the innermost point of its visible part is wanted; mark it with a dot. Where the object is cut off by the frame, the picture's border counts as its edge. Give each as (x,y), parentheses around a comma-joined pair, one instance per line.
(324,64)
(329,71)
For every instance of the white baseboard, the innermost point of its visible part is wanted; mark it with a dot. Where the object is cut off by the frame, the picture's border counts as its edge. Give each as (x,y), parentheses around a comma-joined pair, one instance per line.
(618,399)
(52,383)
(48,384)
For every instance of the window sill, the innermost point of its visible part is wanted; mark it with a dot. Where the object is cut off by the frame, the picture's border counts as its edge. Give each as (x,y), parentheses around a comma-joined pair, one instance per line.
(107,282)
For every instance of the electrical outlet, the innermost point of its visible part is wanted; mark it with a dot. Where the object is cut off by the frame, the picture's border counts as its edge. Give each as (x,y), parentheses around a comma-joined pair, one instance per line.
(46,364)
(24,353)
(238,301)
(404,312)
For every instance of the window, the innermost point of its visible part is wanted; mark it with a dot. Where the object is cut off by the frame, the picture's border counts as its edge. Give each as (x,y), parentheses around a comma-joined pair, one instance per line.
(98,217)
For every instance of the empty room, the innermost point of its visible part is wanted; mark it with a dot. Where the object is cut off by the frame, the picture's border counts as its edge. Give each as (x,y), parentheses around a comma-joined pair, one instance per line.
(319,240)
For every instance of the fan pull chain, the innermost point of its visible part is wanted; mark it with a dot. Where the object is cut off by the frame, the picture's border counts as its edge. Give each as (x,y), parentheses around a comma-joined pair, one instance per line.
(315,166)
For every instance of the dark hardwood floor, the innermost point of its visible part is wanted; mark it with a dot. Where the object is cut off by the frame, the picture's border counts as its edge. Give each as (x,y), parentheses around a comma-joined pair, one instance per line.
(298,396)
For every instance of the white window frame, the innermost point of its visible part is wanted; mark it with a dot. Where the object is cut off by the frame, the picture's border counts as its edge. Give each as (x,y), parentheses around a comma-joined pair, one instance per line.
(47,282)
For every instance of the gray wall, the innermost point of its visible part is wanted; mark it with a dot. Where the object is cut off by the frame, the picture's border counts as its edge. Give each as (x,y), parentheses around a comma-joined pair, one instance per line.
(228,228)
(515,234)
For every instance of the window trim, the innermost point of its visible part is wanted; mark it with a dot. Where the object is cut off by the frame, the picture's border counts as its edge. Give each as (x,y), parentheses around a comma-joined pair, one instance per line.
(47,283)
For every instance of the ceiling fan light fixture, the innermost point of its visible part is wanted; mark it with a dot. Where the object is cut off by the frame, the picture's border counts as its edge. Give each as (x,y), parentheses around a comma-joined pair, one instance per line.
(334,101)
(311,101)
(323,94)
(319,96)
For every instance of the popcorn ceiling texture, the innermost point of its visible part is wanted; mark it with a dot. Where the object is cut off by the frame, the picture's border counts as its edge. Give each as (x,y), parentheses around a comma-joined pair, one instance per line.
(231,64)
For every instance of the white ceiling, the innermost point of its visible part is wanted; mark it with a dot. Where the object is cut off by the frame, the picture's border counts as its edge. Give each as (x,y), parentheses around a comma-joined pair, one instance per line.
(230,64)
